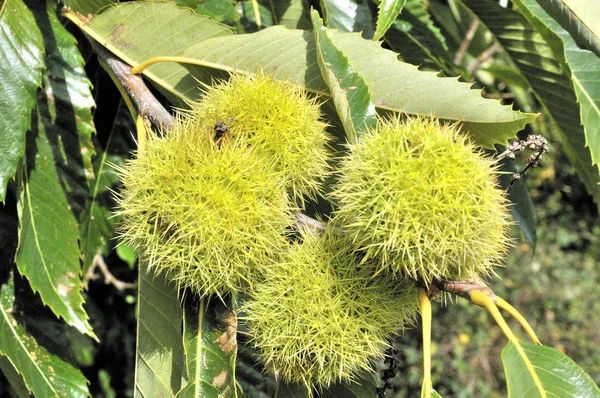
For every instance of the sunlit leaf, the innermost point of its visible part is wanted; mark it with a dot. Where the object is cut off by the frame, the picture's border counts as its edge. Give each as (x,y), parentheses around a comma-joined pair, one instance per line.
(349,92)
(582,68)
(538,371)
(22,55)
(388,12)
(581,18)
(136,31)
(88,7)
(53,181)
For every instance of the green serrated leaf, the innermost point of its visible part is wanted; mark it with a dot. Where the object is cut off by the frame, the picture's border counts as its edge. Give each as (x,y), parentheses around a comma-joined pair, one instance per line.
(581,18)
(22,54)
(388,12)
(210,345)
(553,87)
(348,16)
(159,353)
(53,182)
(137,31)
(581,66)
(395,86)
(538,371)
(44,374)
(350,94)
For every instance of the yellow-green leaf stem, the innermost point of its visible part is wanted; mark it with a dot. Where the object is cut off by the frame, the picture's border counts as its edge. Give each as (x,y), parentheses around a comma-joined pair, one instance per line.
(426,325)
(501,303)
(485,301)
(136,70)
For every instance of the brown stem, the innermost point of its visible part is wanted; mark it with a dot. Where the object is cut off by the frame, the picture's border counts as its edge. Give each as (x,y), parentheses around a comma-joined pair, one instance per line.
(143,100)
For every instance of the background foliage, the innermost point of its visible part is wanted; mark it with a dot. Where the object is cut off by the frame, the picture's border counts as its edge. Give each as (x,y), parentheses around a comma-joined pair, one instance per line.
(65,125)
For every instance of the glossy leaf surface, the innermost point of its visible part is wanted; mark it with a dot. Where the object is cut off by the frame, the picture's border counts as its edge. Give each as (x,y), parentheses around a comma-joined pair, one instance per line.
(22,55)
(538,371)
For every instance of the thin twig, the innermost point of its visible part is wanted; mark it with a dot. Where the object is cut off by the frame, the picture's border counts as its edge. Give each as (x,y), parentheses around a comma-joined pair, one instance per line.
(109,278)
(484,56)
(536,143)
(466,42)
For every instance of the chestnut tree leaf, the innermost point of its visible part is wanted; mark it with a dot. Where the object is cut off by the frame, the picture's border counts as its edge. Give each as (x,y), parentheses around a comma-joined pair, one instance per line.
(53,184)
(539,371)
(22,55)
(137,31)
(292,14)
(209,338)
(349,92)
(535,57)
(348,16)
(388,12)
(44,374)
(160,359)
(581,18)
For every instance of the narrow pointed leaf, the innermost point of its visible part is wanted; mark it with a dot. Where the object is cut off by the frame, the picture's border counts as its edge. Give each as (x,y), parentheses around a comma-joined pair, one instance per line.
(552,85)
(53,179)
(210,344)
(388,12)
(22,55)
(44,374)
(159,352)
(538,371)
(349,92)
(137,31)
(581,18)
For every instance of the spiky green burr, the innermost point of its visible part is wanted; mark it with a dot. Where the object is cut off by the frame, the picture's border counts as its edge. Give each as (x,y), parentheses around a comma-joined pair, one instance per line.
(210,215)
(422,201)
(277,118)
(319,318)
